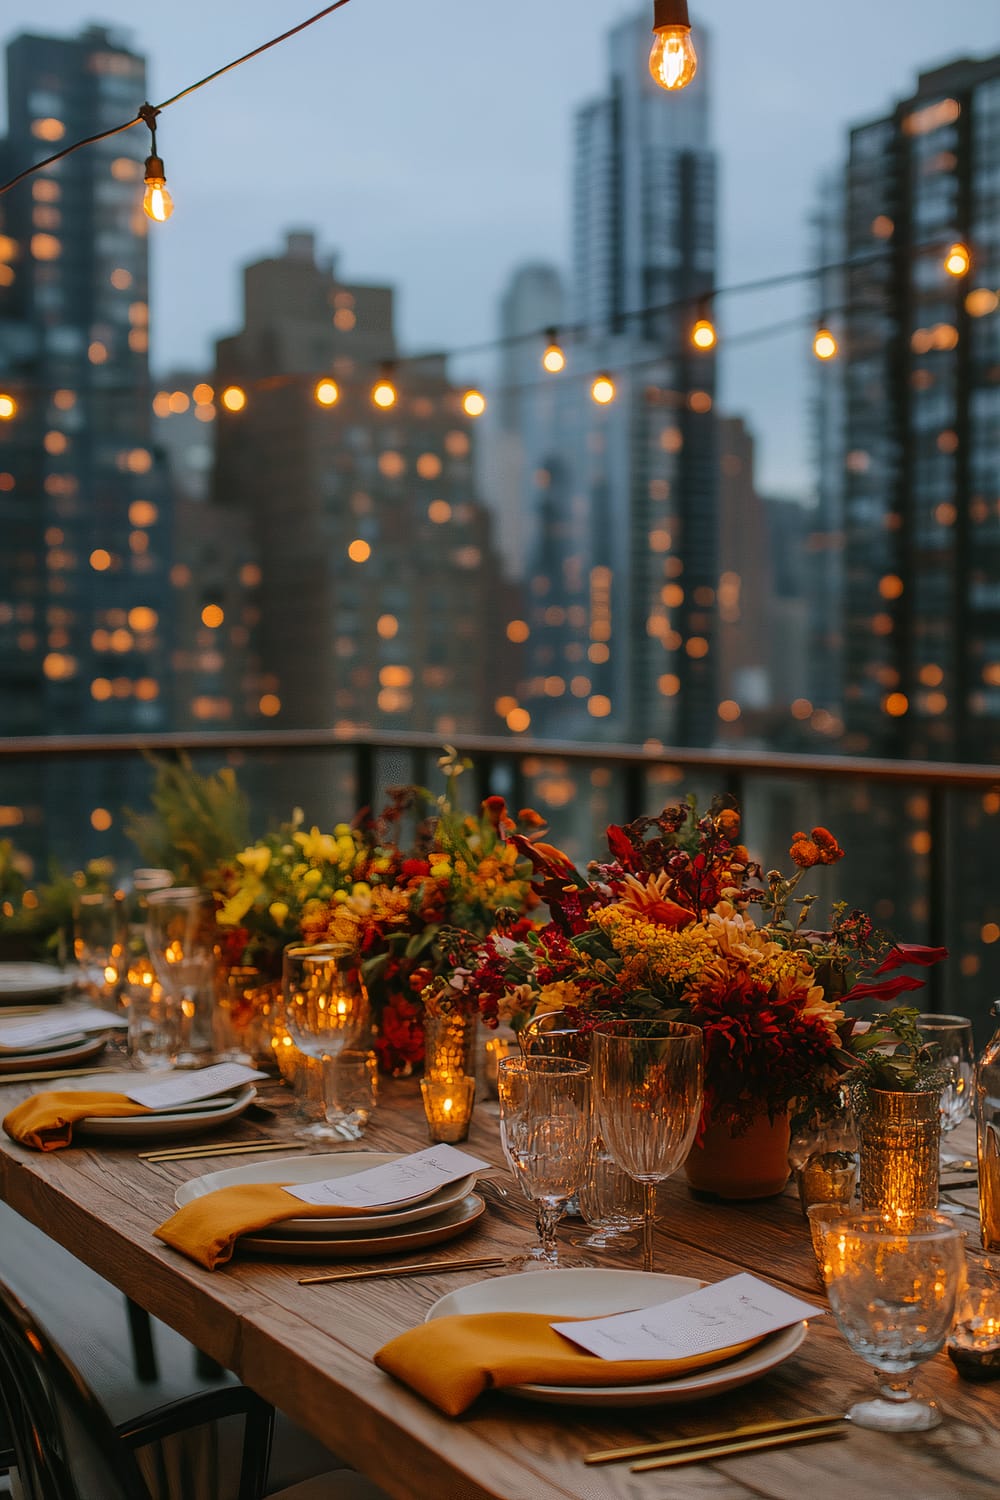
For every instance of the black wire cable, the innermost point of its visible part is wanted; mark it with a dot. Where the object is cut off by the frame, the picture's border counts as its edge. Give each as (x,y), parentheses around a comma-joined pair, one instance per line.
(142,118)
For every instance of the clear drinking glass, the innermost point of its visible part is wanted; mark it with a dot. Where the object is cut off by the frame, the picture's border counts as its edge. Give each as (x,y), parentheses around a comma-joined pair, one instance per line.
(554,1034)
(648,1099)
(180,936)
(893,1289)
(152,1026)
(952,1035)
(325,1010)
(98,945)
(350,1091)
(545,1130)
(611,1202)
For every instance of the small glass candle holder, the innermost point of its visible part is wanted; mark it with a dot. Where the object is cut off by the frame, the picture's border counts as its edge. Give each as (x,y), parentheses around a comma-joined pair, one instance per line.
(823,1221)
(974,1343)
(827,1177)
(448,1106)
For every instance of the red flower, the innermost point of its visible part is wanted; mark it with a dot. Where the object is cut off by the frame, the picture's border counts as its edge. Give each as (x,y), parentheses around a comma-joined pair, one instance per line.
(887,989)
(910,953)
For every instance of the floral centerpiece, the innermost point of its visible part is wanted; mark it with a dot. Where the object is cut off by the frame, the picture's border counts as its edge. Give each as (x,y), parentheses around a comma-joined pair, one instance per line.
(665,927)
(461,874)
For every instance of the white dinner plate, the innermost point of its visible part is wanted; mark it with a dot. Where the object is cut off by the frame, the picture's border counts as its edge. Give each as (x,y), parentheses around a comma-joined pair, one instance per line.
(301,1169)
(55,1056)
(191,1120)
(596,1293)
(434,1231)
(28,981)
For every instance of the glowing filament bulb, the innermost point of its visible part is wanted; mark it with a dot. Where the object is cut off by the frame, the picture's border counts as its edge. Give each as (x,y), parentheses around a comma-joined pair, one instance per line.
(327,393)
(825,346)
(474,403)
(384,393)
(703,334)
(8,407)
(157,203)
(603,390)
(553,359)
(673,61)
(958,261)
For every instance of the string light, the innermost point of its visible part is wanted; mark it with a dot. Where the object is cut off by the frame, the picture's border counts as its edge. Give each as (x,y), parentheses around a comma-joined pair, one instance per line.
(603,390)
(384,393)
(673,61)
(157,203)
(825,345)
(958,261)
(703,334)
(474,403)
(8,407)
(327,393)
(553,358)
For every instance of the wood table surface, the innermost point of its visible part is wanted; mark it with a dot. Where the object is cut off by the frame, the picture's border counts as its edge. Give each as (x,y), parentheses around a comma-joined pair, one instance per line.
(309,1349)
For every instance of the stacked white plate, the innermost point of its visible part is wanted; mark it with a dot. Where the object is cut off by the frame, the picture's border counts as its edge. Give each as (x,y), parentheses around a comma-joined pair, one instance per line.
(20,982)
(429,1220)
(183,1120)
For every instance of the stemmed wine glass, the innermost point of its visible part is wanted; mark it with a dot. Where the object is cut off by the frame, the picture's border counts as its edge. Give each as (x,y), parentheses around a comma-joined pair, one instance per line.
(952,1036)
(545,1128)
(555,1033)
(325,1011)
(648,1098)
(892,1288)
(180,937)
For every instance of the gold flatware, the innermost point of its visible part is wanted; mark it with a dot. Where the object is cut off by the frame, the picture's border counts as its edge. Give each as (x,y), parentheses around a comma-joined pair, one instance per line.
(835,1429)
(678,1445)
(419,1268)
(53,1073)
(190,1153)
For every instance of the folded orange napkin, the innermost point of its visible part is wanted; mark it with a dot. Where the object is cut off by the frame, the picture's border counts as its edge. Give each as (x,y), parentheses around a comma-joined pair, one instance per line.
(46,1120)
(207,1228)
(451,1361)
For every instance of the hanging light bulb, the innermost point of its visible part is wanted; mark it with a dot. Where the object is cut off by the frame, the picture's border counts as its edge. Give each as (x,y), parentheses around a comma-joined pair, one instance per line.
(703,331)
(603,390)
(384,392)
(8,407)
(327,393)
(157,203)
(825,345)
(553,359)
(473,403)
(673,61)
(958,261)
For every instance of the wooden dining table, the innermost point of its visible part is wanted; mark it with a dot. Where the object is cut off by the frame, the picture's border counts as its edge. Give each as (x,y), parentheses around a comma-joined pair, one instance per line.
(308,1349)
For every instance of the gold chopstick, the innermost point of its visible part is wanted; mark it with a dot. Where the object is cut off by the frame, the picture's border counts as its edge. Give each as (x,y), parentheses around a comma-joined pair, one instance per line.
(742,1445)
(420,1268)
(53,1073)
(678,1445)
(188,1153)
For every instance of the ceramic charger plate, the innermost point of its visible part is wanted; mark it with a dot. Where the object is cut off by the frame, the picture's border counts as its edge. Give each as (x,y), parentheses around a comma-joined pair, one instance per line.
(594,1293)
(55,1054)
(191,1119)
(430,1220)
(28,981)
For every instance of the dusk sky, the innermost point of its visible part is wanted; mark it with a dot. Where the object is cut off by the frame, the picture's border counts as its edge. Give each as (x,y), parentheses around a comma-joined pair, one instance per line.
(430,145)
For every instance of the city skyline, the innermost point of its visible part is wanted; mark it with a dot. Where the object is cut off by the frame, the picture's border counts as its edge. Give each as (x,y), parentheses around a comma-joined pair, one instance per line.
(499,217)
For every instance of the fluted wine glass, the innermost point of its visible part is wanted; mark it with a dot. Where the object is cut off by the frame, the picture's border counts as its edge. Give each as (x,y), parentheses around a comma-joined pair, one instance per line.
(648,1098)
(325,1011)
(180,936)
(952,1037)
(545,1130)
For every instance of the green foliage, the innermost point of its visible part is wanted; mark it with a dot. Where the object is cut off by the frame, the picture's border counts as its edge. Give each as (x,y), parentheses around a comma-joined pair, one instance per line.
(197,824)
(894,1057)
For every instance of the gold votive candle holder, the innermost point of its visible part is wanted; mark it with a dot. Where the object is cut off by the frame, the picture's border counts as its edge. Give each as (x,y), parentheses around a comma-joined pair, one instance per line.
(448,1104)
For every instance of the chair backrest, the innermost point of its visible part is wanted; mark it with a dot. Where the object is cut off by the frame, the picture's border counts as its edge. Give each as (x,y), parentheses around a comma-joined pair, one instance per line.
(63,1440)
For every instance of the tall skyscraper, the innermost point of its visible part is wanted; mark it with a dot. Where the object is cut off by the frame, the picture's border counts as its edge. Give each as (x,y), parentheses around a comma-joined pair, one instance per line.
(922,406)
(623,497)
(381,600)
(84,511)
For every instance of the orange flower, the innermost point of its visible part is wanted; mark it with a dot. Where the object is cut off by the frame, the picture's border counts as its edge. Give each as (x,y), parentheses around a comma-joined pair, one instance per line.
(829,850)
(728,822)
(804,852)
(653,902)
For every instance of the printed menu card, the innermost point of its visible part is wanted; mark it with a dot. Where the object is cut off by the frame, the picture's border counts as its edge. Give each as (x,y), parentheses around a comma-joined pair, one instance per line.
(407,1180)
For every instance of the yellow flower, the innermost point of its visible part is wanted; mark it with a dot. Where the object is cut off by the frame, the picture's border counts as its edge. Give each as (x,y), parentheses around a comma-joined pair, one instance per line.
(343,831)
(311,879)
(321,847)
(232,912)
(256,859)
(279,911)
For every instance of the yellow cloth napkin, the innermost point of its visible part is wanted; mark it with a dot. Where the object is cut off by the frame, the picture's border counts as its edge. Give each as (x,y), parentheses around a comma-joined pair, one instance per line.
(46,1120)
(451,1361)
(207,1228)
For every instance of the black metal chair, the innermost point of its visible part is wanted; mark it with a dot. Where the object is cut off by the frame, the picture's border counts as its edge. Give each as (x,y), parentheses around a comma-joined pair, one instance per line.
(62,1442)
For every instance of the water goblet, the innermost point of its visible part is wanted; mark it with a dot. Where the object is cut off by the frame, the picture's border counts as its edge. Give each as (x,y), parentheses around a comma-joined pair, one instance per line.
(545,1129)
(893,1284)
(648,1098)
(611,1202)
(952,1037)
(180,937)
(325,1011)
(555,1033)
(97,945)
(350,1091)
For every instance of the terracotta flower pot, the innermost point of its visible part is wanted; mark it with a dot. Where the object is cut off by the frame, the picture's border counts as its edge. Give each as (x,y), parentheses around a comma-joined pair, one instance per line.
(751,1165)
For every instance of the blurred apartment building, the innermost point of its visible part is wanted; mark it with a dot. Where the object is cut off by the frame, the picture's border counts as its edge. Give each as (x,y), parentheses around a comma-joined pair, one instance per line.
(621,499)
(84,508)
(376,594)
(920,452)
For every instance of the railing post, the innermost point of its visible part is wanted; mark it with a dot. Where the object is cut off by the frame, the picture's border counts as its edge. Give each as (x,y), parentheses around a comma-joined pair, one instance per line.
(937,891)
